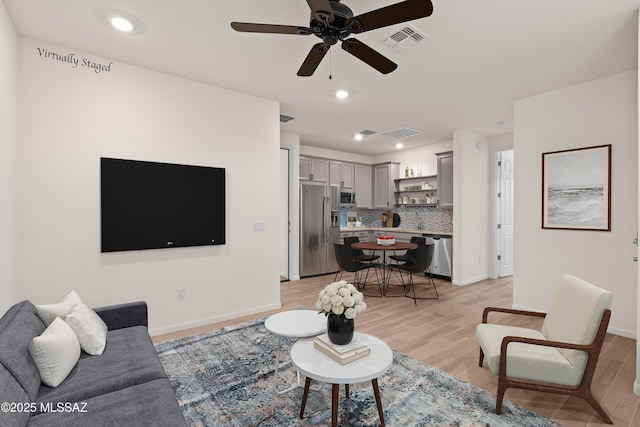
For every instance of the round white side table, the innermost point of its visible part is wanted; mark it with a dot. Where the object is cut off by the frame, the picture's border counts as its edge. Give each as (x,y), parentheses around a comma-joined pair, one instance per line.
(316,365)
(296,324)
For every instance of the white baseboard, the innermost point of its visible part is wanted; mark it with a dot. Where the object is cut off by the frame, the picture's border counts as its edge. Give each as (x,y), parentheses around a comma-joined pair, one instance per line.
(522,307)
(469,281)
(622,332)
(212,319)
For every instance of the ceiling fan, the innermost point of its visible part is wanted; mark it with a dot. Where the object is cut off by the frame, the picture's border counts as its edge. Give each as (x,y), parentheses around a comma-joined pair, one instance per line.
(332,21)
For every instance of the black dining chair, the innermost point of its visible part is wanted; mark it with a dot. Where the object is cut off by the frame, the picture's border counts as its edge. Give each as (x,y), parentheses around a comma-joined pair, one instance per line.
(348,264)
(410,255)
(419,265)
(358,254)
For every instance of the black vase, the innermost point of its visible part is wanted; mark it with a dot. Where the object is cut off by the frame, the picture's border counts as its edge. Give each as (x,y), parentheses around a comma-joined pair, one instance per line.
(339,329)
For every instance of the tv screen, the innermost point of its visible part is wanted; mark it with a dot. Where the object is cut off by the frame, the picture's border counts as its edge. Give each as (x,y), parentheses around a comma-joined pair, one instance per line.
(149,205)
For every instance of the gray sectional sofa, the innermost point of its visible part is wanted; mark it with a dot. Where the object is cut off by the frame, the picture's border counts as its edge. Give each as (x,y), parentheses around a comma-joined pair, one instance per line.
(125,386)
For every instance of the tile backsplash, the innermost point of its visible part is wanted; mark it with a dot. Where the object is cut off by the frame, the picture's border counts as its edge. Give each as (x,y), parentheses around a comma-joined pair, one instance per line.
(427,218)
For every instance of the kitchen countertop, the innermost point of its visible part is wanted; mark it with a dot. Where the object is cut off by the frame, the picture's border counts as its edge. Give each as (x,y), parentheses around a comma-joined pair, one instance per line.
(397,230)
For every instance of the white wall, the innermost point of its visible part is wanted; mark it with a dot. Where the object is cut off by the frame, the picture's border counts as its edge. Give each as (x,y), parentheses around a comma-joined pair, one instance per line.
(471,198)
(502,140)
(8,163)
(69,117)
(423,157)
(306,150)
(602,111)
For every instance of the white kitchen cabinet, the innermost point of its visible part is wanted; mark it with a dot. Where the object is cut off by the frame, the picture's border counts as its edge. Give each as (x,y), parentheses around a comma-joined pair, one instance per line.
(363,236)
(401,237)
(341,174)
(383,184)
(362,186)
(445,179)
(312,169)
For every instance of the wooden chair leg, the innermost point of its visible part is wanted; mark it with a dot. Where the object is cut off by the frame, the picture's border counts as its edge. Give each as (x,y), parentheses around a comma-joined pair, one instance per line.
(588,397)
(481,358)
(502,388)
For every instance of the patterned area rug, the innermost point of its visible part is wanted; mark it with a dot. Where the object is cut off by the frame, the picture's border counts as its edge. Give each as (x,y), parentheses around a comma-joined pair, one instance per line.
(225,378)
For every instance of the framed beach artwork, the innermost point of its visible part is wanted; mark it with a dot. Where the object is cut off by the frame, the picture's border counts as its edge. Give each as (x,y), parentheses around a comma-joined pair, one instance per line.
(576,189)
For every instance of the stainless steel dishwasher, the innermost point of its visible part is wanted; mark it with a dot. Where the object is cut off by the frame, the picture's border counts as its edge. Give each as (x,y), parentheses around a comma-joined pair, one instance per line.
(441,265)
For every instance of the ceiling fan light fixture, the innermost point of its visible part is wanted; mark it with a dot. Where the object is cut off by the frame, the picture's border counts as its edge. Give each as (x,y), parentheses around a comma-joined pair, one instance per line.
(332,21)
(342,94)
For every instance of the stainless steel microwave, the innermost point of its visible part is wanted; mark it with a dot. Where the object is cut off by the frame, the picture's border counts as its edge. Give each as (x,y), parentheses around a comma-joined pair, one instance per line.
(347,199)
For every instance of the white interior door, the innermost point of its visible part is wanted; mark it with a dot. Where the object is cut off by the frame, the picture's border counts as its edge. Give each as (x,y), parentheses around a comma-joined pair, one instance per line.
(284,213)
(505,214)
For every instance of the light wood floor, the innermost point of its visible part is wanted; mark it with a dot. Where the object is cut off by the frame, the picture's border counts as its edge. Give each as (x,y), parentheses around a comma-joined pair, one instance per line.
(442,333)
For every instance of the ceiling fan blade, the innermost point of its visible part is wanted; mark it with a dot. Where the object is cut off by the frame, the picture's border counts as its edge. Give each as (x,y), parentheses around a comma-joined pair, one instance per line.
(248,27)
(396,13)
(311,62)
(369,56)
(320,9)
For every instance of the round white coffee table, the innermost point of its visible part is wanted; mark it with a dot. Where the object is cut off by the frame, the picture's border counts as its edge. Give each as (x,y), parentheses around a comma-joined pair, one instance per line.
(296,324)
(316,365)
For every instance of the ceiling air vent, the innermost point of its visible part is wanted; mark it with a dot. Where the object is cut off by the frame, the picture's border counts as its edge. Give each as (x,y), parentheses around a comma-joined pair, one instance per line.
(405,38)
(402,133)
(284,118)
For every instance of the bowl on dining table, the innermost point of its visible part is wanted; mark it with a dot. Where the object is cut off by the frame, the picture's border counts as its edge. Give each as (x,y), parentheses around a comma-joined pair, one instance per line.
(386,240)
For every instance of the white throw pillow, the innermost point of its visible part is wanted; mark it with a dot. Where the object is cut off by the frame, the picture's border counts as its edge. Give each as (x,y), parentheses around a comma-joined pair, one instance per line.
(89,328)
(48,312)
(55,352)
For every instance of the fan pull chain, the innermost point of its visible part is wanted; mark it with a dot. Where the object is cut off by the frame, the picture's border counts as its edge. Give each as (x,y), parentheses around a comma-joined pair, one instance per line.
(330,64)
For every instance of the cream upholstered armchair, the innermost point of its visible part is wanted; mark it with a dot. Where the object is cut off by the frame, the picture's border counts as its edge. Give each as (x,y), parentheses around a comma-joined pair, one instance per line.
(562,357)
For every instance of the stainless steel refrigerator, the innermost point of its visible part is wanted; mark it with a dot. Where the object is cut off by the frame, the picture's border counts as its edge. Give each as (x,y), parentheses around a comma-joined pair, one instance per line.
(319,228)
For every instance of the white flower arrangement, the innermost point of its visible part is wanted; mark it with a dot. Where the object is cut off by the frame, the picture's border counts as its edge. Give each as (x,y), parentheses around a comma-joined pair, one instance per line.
(341,298)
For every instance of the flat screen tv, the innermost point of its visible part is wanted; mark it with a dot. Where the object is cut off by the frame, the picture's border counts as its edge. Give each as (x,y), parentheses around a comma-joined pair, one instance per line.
(149,205)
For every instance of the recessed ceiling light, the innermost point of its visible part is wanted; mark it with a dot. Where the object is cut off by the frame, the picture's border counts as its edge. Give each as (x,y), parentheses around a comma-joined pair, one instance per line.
(121,23)
(358,137)
(342,94)
(399,145)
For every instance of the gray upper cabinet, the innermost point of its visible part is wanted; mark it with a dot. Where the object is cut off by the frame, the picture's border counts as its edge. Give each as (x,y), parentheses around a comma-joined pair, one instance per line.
(341,174)
(312,169)
(362,186)
(384,175)
(445,179)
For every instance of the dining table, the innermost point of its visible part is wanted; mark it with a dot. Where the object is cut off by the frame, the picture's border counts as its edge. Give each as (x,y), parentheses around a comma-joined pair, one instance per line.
(374,246)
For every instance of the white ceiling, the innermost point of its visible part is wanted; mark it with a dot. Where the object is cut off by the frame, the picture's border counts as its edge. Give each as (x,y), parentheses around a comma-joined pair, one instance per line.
(480,57)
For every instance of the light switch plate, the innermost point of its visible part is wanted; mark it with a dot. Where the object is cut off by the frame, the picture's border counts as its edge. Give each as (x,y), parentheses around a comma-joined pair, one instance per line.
(258,226)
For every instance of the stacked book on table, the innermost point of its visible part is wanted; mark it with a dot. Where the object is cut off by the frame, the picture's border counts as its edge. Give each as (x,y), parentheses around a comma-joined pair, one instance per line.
(342,354)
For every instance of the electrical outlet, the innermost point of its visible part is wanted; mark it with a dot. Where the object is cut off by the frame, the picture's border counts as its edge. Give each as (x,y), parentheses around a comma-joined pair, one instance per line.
(181,293)
(258,226)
